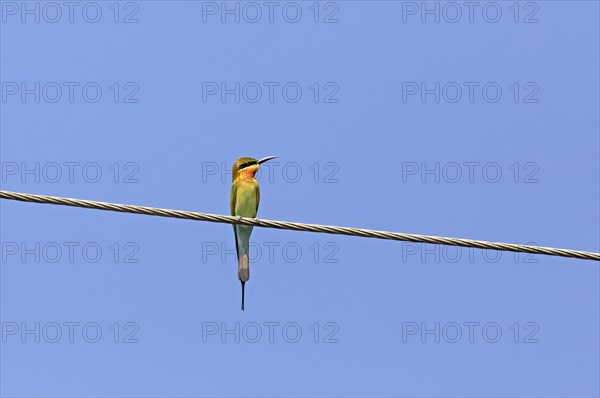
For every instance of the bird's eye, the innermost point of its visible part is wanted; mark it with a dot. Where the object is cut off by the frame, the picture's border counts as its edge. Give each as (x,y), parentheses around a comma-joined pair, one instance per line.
(244,165)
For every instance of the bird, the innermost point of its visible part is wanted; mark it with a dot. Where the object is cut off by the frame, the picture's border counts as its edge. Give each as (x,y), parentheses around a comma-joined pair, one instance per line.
(244,200)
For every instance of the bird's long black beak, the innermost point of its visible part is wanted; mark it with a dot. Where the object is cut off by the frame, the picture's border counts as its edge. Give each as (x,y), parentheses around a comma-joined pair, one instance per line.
(266,159)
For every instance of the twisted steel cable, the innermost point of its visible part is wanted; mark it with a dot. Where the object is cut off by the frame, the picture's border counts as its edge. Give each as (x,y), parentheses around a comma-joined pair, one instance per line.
(295,226)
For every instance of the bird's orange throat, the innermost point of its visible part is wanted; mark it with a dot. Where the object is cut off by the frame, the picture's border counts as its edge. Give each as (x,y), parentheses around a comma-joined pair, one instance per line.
(248,173)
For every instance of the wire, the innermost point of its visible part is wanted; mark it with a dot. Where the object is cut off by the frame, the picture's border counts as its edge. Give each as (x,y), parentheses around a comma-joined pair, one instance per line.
(294,226)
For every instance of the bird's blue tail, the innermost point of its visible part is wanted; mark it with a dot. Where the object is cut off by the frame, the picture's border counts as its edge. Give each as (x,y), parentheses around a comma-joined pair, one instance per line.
(243,245)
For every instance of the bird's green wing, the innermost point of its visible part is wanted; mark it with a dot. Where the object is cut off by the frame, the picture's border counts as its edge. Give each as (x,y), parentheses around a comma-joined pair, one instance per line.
(257,198)
(232,199)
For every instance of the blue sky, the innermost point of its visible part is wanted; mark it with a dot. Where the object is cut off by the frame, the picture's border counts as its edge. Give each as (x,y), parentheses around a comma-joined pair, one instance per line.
(482,125)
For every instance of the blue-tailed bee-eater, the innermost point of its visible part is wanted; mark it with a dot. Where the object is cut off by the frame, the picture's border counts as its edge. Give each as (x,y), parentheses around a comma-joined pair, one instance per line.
(244,200)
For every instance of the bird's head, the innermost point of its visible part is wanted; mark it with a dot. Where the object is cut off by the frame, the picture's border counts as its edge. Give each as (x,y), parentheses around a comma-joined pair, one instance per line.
(247,167)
